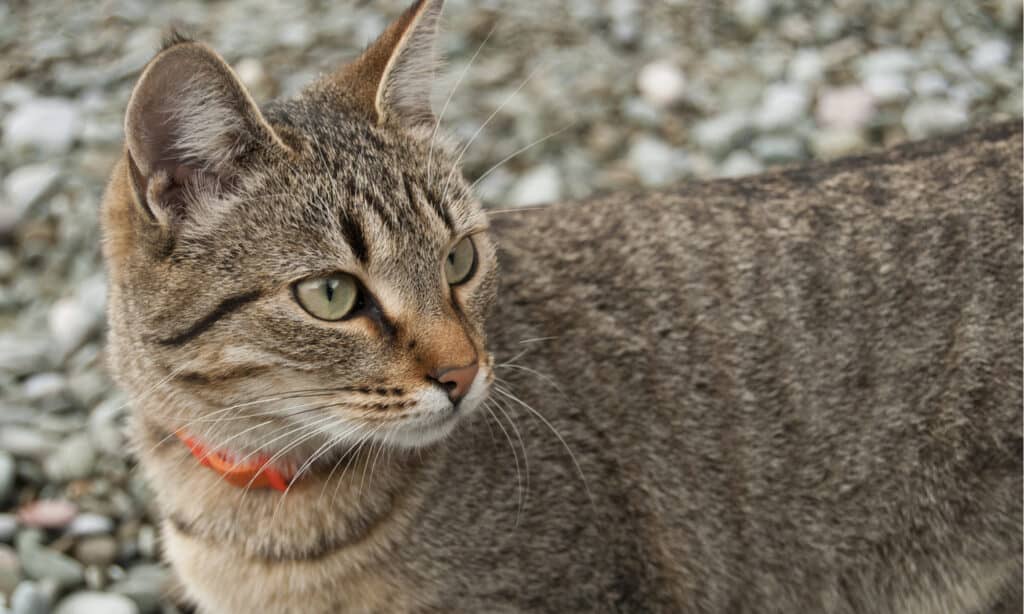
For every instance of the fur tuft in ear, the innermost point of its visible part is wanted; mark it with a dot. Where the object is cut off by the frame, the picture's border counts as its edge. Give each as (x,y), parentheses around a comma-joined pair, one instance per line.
(391,81)
(190,126)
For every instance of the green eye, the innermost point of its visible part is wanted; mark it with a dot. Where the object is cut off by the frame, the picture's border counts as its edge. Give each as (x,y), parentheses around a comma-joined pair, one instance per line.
(461,262)
(328,298)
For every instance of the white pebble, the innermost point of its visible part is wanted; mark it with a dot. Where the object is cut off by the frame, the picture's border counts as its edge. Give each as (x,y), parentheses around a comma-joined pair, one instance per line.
(740,164)
(94,602)
(90,524)
(990,55)
(721,133)
(807,66)
(783,105)
(836,142)
(662,83)
(540,185)
(845,107)
(26,185)
(887,87)
(931,117)
(930,83)
(655,162)
(752,13)
(42,385)
(47,124)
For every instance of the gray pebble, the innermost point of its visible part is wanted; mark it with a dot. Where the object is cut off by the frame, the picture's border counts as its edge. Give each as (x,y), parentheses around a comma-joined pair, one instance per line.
(43,385)
(41,562)
(10,570)
(27,185)
(105,427)
(143,584)
(783,105)
(540,185)
(49,125)
(721,133)
(655,162)
(930,117)
(90,524)
(8,526)
(74,459)
(99,550)
(95,602)
(25,441)
(777,149)
(739,164)
(6,475)
(30,598)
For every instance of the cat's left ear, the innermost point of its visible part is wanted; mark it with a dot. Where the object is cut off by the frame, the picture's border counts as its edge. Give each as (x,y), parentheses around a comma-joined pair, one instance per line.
(391,80)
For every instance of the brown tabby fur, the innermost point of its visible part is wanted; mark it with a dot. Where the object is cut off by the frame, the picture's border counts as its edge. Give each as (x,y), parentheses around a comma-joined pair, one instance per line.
(799,392)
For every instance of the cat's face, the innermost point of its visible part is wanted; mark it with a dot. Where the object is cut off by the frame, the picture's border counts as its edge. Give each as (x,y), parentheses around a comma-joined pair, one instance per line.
(319,266)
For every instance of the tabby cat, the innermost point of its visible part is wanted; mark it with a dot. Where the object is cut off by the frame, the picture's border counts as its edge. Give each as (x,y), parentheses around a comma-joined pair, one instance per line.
(799,392)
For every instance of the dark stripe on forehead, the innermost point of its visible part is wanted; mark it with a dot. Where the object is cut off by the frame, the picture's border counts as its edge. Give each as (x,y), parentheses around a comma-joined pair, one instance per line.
(225,307)
(434,203)
(354,236)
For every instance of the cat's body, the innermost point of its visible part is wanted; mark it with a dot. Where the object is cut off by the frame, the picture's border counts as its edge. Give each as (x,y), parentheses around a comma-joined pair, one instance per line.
(795,392)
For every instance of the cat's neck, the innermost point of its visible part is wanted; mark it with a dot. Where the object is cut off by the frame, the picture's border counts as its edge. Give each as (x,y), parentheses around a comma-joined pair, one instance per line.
(369,492)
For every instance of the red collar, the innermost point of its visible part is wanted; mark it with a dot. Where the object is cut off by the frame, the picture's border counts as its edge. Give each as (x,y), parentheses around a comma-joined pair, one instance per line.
(255,473)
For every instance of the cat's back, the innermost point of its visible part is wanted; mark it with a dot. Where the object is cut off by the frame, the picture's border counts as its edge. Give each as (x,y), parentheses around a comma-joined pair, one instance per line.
(810,381)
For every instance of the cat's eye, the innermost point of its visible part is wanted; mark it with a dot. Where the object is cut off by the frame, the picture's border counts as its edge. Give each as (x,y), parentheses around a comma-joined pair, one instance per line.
(461,262)
(328,298)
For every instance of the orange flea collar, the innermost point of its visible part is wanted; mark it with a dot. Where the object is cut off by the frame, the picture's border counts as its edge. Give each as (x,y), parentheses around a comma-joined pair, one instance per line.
(245,473)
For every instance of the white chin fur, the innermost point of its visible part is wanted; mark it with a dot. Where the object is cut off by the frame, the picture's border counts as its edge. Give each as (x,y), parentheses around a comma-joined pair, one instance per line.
(434,418)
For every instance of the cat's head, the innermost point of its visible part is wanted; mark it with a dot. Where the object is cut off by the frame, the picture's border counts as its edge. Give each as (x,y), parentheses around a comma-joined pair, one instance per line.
(317,263)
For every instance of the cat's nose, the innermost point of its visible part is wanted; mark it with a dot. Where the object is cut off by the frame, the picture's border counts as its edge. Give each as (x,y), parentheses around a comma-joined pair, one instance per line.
(455,380)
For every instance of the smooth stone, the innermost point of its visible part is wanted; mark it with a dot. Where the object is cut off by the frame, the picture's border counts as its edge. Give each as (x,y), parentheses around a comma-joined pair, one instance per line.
(40,562)
(7,473)
(47,514)
(807,66)
(887,87)
(147,541)
(930,83)
(752,13)
(47,124)
(10,570)
(782,105)
(74,459)
(542,184)
(27,185)
(848,107)
(887,60)
(774,149)
(99,550)
(96,602)
(44,385)
(74,319)
(30,598)
(721,133)
(662,83)
(836,142)
(930,117)
(655,162)
(740,164)
(24,353)
(90,524)
(990,55)
(8,526)
(105,427)
(25,441)
(144,584)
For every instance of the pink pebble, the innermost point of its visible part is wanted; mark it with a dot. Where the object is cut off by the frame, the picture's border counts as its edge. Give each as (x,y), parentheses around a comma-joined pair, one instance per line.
(47,514)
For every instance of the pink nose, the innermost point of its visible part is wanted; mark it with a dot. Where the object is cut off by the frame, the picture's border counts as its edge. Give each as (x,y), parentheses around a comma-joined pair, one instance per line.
(455,380)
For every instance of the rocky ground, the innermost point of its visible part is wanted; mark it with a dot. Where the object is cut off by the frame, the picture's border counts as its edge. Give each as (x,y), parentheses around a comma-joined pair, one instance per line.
(605,94)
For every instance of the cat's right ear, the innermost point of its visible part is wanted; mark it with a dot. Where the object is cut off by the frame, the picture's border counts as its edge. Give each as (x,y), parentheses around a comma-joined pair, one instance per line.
(190,127)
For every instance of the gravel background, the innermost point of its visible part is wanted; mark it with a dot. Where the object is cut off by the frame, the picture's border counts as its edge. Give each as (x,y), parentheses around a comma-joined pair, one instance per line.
(627,93)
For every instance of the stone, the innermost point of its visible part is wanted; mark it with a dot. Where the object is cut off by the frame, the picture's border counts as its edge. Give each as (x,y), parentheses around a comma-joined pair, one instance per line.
(6,475)
(43,385)
(752,13)
(105,428)
(740,164)
(662,83)
(930,84)
(655,162)
(40,562)
(887,87)
(778,148)
(8,526)
(10,571)
(990,55)
(930,117)
(74,319)
(887,60)
(99,550)
(836,142)
(143,584)
(49,125)
(783,105)
(850,107)
(95,602)
(27,185)
(25,441)
(72,460)
(30,598)
(90,524)
(47,514)
(542,184)
(806,66)
(721,133)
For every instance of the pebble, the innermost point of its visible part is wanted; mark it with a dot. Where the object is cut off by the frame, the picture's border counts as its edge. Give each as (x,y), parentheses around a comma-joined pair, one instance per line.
(778,149)
(888,60)
(887,87)
(95,602)
(662,83)
(73,460)
(655,162)
(540,185)
(74,319)
(40,562)
(10,570)
(90,524)
(25,441)
(930,117)
(990,55)
(740,164)
(49,125)
(144,584)
(752,13)
(47,514)
(105,428)
(8,526)
(6,476)
(783,105)
(837,142)
(30,598)
(807,66)
(721,133)
(930,83)
(849,107)
(43,385)
(27,185)
(99,550)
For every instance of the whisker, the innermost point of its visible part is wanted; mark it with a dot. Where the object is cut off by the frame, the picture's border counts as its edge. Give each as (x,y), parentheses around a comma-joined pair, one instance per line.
(518,152)
(515,457)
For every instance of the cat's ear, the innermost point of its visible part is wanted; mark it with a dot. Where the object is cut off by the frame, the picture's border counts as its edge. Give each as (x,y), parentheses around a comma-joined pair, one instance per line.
(190,128)
(391,81)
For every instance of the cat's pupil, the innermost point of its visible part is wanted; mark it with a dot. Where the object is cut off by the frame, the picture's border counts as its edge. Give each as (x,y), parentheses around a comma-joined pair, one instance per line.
(329,289)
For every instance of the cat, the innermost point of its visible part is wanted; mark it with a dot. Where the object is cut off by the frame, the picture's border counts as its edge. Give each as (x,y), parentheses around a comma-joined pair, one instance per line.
(793,392)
